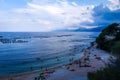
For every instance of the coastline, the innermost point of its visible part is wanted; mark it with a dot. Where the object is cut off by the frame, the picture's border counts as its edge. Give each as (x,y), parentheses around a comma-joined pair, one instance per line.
(74,67)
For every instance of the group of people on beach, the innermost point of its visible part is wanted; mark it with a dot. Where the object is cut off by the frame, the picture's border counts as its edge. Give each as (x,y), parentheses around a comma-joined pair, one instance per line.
(85,61)
(41,75)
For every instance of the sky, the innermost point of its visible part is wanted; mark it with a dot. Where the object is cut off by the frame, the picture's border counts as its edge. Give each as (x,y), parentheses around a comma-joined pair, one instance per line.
(51,15)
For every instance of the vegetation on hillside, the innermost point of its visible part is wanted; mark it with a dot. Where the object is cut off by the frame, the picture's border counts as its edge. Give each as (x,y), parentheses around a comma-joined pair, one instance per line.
(109,40)
(112,72)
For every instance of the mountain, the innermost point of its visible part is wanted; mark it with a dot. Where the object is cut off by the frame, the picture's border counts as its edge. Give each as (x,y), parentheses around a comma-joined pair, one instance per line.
(97,29)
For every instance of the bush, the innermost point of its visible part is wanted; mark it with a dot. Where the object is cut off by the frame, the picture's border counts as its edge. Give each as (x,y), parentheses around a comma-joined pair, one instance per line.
(116,48)
(112,72)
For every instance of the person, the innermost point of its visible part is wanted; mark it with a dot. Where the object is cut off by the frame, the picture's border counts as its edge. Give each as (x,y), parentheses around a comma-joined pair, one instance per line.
(87,59)
(111,58)
(92,66)
(71,59)
(35,78)
(41,72)
(58,59)
(103,60)
(79,63)
(41,75)
(31,68)
(41,67)
(45,72)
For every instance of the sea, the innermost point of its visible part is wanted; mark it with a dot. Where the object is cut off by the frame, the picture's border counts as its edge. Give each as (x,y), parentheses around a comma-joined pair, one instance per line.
(41,50)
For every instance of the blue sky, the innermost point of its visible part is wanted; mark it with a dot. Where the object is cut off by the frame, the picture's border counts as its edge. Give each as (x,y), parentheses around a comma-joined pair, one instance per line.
(12,4)
(49,15)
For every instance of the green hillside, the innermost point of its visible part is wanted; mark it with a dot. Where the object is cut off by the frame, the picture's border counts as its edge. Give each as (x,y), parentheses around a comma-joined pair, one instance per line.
(109,39)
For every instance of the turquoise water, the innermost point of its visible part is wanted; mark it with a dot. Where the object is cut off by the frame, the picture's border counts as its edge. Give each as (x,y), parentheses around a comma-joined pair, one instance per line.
(41,50)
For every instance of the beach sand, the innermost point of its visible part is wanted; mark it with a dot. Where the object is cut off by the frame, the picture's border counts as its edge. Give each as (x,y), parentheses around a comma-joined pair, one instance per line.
(70,71)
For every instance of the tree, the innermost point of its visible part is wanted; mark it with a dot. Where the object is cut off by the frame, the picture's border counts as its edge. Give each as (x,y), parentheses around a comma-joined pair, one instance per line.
(111,30)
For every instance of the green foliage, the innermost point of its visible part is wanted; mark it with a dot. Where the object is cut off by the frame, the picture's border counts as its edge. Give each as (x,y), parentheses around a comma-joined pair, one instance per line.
(110,29)
(95,76)
(116,48)
(118,36)
(104,44)
(112,72)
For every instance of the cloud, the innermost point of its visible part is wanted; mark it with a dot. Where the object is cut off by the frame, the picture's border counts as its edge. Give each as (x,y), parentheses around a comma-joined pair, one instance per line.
(114,4)
(41,16)
(104,15)
(49,15)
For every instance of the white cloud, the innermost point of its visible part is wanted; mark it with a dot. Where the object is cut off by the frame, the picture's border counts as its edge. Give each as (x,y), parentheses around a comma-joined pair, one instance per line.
(106,14)
(114,4)
(39,16)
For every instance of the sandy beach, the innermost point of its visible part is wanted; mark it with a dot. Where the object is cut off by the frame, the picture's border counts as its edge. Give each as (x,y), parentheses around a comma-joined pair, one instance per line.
(76,70)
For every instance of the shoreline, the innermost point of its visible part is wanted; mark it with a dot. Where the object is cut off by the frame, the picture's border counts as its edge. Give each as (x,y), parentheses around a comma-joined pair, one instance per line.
(30,72)
(53,69)
(35,71)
